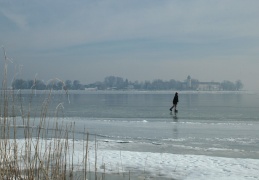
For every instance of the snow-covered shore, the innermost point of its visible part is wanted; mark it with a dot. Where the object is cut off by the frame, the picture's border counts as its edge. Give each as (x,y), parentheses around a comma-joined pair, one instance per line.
(151,165)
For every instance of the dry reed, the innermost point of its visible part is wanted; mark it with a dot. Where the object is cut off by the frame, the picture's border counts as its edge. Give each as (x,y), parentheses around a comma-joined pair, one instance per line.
(38,154)
(45,150)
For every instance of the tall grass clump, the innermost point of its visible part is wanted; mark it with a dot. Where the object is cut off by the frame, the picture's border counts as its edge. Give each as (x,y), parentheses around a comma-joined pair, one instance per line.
(33,146)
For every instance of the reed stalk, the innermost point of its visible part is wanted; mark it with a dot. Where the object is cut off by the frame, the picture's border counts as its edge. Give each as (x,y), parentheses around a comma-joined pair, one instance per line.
(34,146)
(43,150)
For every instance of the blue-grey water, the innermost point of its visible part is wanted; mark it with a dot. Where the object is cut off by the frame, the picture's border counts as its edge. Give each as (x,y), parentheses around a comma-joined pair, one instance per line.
(209,123)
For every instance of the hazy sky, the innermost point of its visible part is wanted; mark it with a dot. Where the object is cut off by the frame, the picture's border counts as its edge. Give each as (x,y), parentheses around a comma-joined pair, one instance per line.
(87,40)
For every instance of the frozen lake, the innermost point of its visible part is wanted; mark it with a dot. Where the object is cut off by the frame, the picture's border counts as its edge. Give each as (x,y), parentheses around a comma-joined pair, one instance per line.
(220,128)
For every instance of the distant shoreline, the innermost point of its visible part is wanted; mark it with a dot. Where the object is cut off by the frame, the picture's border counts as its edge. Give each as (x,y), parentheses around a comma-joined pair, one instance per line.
(30,91)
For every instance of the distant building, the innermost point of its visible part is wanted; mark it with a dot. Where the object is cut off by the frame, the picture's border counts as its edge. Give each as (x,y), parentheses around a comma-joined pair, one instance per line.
(201,86)
(130,87)
(91,89)
(209,86)
(189,82)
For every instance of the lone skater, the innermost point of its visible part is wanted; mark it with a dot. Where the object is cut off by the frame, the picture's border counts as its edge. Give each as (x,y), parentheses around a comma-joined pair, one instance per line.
(175,101)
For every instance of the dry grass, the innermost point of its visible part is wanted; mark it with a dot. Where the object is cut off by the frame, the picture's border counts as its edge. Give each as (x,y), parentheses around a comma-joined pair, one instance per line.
(35,156)
(41,149)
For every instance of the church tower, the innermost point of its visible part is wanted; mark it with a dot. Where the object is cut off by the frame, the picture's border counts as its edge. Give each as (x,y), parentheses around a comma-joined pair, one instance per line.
(189,82)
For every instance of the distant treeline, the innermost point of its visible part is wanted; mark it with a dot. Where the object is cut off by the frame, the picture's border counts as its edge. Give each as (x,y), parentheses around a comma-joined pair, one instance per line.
(118,83)
(55,84)
(112,82)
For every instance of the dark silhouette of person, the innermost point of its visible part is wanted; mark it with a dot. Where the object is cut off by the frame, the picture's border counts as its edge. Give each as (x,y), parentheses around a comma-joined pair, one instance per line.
(175,101)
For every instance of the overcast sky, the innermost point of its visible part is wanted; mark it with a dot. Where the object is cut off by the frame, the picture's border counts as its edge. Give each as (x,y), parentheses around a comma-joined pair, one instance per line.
(88,40)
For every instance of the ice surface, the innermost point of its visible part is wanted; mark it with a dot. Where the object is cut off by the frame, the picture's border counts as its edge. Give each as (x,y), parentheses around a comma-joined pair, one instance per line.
(164,165)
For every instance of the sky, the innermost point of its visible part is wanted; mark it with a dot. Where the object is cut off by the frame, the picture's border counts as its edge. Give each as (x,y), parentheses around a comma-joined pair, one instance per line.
(88,40)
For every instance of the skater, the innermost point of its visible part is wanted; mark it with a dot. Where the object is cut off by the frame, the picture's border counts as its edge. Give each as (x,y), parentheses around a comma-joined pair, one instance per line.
(175,101)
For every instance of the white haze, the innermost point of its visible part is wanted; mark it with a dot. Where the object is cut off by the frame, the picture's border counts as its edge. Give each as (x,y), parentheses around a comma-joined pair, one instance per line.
(139,40)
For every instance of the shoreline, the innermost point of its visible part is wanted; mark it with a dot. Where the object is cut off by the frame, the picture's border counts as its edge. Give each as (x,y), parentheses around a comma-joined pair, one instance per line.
(159,165)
